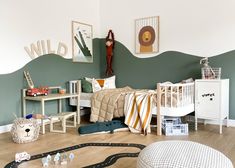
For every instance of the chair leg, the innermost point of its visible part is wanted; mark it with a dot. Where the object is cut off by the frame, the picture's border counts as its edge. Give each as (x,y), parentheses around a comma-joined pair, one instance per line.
(74,120)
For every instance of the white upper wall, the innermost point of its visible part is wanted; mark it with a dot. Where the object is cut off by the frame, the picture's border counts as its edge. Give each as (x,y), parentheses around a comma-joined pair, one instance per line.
(27,21)
(202,27)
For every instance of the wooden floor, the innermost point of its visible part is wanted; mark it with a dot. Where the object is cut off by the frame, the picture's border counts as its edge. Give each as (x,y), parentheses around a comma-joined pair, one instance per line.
(208,135)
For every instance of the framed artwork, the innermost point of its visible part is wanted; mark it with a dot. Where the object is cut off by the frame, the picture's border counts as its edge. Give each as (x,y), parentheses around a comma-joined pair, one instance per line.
(82,42)
(147,35)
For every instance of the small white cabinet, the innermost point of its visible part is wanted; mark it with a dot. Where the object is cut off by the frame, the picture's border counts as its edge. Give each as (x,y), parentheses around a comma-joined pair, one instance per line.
(212,100)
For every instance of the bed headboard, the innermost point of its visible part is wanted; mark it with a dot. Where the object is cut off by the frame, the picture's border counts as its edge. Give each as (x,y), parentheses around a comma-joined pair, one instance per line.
(74,87)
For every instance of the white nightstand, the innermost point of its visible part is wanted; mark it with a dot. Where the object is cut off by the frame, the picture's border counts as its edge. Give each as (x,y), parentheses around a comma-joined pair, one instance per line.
(212,100)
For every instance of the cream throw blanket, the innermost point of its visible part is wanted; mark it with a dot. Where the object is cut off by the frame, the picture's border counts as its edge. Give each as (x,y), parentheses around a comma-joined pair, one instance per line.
(107,104)
(138,110)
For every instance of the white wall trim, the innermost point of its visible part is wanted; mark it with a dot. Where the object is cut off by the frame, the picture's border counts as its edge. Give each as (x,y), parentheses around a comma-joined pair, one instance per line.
(231,123)
(5,128)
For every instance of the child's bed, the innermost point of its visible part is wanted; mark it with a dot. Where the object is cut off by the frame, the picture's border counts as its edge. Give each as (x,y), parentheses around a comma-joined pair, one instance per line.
(175,99)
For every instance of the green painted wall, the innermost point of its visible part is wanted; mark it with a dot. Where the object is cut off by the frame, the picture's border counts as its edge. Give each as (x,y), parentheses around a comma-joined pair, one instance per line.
(53,70)
(48,70)
(169,66)
(145,73)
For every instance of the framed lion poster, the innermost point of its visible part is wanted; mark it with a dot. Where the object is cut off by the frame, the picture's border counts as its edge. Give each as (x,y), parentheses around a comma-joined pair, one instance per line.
(147,35)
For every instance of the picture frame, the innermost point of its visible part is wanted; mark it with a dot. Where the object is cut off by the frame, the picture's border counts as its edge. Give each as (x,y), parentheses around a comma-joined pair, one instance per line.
(82,35)
(147,35)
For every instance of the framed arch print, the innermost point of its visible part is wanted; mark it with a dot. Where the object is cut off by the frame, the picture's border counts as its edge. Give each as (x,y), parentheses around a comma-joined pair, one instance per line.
(82,42)
(147,35)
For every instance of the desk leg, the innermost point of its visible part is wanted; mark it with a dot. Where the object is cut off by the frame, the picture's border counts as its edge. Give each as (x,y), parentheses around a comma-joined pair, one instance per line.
(24,107)
(23,103)
(43,113)
(60,105)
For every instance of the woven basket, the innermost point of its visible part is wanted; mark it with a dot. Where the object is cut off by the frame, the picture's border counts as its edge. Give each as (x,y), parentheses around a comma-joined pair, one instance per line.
(211,73)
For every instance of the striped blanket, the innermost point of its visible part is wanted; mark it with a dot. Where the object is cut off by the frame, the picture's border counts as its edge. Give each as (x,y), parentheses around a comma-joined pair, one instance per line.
(137,108)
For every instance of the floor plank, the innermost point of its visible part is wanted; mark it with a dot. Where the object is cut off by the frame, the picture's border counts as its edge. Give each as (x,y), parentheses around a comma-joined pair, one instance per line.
(206,134)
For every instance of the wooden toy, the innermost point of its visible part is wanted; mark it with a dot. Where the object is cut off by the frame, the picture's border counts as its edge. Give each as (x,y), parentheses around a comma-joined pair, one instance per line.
(49,158)
(57,158)
(71,157)
(37,91)
(45,162)
(32,91)
(22,156)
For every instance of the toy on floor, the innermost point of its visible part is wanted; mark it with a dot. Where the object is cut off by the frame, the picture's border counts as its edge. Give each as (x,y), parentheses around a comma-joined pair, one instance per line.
(45,162)
(64,159)
(107,162)
(101,127)
(36,116)
(71,157)
(57,158)
(22,156)
(49,158)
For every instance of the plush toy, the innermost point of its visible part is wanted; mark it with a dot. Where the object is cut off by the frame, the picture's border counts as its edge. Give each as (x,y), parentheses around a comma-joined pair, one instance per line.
(25,130)
(109,52)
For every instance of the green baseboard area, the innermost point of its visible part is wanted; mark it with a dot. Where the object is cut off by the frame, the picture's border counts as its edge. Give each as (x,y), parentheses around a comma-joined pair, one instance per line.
(54,70)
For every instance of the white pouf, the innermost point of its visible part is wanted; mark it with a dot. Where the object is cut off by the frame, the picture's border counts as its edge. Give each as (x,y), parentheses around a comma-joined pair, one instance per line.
(181,154)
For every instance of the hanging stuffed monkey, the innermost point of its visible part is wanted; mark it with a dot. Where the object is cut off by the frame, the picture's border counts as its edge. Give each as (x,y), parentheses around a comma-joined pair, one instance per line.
(109,52)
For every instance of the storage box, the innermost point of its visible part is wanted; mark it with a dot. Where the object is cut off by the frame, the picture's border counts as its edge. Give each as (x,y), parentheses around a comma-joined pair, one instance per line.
(211,73)
(173,126)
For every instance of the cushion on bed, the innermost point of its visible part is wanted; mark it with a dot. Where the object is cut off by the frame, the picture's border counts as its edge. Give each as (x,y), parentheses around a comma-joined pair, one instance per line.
(86,86)
(100,84)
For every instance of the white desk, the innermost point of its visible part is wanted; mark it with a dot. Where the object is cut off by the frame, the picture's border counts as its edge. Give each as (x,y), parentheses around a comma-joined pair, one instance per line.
(43,99)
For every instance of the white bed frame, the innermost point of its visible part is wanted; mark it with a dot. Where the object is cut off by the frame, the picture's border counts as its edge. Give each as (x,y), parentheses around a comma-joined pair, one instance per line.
(183,93)
(75,87)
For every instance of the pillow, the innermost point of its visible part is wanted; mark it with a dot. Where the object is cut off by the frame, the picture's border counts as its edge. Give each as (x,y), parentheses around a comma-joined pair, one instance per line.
(95,85)
(100,84)
(110,82)
(89,79)
(86,86)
